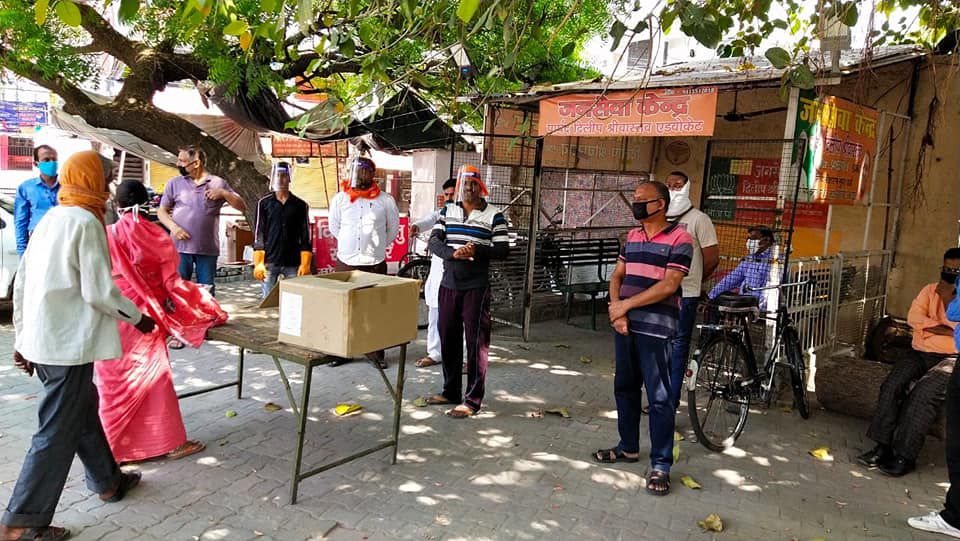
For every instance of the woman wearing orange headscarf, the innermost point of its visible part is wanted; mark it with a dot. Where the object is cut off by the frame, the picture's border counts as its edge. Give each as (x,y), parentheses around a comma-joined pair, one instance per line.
(65,311)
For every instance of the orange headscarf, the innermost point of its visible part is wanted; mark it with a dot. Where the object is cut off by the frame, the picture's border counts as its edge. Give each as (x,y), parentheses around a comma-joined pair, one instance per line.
(83,183)
(355,193)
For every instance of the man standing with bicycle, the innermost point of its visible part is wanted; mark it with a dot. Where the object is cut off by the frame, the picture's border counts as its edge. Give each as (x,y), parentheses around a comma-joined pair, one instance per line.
(645,311)
(431,289)
(706,257)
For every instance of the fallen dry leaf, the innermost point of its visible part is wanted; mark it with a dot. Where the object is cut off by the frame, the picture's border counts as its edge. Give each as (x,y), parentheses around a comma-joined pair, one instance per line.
(230,413)
(678,436)
(586,360)
(420,402)
(562,346)
(562,412)
(690,483)
(271,407)
(347,409)
(822,454)
(711,523)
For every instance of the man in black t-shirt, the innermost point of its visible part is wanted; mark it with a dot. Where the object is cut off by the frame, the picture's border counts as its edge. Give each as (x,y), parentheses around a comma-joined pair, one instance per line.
(282,238)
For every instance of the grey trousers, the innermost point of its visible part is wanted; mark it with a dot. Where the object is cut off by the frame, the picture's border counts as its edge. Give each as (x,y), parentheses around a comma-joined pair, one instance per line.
(69,425)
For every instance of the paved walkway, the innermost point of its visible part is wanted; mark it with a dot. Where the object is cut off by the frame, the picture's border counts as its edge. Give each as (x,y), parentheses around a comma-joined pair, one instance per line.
(506,474)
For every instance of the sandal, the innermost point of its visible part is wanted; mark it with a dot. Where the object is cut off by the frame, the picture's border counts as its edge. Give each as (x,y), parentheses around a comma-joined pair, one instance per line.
(658,483)
(425,362)
(460,412)
(438,400)
(613,455)
(173,343)
(126,483)
(49,533)
(188,448)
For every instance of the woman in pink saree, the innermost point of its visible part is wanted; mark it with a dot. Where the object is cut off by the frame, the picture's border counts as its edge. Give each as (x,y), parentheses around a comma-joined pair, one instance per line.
(138,404)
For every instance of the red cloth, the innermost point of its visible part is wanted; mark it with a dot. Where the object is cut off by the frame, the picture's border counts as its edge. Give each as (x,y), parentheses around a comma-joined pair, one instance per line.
(355,193)
(138,404)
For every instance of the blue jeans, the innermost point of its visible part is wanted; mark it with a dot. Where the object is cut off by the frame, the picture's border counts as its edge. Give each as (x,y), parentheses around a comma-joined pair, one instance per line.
(274,272)
(680,350)
(644,361)
(69,426)
(206,266)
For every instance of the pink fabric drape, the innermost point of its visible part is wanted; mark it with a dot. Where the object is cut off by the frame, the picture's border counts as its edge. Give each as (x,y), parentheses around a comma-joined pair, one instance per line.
(138,404)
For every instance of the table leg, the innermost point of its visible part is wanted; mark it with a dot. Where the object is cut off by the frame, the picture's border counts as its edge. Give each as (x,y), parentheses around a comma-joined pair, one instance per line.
(240,373)
(398,402)
(301,432)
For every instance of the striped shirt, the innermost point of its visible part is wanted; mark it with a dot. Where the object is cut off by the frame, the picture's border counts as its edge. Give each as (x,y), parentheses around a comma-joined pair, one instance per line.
(485,227)
(647,262)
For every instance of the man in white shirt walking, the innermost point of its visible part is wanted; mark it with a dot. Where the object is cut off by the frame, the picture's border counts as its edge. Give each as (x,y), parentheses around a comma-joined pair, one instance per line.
(706,257)
(365,221)
(65,312)
(432,288)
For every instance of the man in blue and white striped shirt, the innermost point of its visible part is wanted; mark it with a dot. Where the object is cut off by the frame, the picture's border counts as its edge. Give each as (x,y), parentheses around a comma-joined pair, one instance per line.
(467,236)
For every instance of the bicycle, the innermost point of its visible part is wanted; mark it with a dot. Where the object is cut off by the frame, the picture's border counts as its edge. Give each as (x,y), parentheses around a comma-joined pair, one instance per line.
(416,265)
(723,380)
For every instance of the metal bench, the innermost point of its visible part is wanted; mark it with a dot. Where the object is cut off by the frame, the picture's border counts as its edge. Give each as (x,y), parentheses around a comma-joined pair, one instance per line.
(584,266)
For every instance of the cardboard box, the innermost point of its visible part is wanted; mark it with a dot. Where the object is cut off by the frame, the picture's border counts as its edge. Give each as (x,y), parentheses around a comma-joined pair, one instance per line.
(348,313)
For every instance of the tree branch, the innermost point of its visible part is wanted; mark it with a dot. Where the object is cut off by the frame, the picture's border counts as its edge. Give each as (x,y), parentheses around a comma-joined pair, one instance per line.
(57,84)
(107,38)
(298,67)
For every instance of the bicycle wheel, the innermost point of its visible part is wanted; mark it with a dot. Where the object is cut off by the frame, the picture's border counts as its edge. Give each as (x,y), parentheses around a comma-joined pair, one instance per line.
(798,371)
(717,412)
(419,269)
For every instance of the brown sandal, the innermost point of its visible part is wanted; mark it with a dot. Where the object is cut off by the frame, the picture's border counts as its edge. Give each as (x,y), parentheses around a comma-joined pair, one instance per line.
(188,448)
(48,533)
(460,412)
(425,362)
(438,400)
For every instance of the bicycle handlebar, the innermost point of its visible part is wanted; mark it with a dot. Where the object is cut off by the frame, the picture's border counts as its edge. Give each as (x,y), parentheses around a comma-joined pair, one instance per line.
(780,286)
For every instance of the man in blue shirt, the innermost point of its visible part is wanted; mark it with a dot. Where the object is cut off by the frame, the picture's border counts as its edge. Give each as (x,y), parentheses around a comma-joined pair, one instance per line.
(947,522)
(753,271)
(36,196)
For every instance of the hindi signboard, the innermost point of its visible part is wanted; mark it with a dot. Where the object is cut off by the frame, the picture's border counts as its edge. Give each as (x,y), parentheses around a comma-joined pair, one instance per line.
(15,115)
(660,112)
(842,143)
(325,245)
(295,147)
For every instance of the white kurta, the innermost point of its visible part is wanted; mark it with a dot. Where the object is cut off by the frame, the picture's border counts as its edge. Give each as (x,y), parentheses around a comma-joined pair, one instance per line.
(363,228)
(431,290)
(65,304)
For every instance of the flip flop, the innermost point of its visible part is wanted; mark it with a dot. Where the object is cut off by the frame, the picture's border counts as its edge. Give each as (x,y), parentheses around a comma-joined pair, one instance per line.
(187,449)
(603,456)
(460,412)
(425,362)
(438,400)
(50,533)
(126,483)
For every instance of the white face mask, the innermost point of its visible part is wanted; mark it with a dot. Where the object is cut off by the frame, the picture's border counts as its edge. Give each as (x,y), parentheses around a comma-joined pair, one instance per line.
(679,201)
(753,246)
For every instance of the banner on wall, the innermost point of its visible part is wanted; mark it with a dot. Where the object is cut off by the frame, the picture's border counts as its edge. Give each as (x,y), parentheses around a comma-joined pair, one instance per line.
(15,115)
(842,142)
(660,112)
(325,245)
(749,188)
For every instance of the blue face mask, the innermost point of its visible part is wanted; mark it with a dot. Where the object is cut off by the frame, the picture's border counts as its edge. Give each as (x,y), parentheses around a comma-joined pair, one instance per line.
(48,168)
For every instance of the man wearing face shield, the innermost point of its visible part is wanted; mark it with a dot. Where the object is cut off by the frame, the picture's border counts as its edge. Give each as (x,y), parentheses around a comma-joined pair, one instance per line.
(35,196)
(645,311)
(467,236)
(706,257)
(282,235)
(65,312)
(365,221)
(754,271)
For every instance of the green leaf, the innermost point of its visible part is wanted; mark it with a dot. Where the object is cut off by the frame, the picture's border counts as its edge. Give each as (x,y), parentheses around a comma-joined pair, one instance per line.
(40,11)
(802,77)
(617,31)
(366,31)
(68,12)
(778,56)
(128,9)
(850,15)
(348,48)
(305,13)
(268,5)
(429,124)
(641,26)
(467,9)
(568,49)
(235,28)
(407,6)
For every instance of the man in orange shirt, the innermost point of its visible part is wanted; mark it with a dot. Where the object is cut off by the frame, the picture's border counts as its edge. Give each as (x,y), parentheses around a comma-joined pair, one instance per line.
(904,415)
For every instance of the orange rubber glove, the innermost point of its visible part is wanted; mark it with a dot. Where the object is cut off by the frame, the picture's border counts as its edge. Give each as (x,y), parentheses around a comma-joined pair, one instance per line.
(259,268)
(305,259)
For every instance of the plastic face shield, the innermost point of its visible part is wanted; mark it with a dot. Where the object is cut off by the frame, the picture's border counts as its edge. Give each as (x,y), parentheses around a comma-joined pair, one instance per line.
(468,175)
(278,170)
(358,169)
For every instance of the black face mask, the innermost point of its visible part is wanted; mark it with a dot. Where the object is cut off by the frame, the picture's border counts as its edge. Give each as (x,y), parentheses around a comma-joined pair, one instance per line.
(183,171)
(640,209)
(949,277)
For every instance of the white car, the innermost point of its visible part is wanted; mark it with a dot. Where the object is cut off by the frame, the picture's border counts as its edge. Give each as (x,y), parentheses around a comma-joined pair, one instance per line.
(8,250)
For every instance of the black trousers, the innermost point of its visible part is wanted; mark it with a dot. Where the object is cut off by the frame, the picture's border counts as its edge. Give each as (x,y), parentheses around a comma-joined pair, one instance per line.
(69,426)
(951,508)
(904,415)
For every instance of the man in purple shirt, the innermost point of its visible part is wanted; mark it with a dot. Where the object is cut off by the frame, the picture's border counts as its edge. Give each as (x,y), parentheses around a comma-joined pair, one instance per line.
(190,209)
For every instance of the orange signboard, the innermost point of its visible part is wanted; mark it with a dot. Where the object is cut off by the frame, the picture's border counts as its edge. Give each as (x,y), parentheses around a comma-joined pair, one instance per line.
(294,147)
(661,112)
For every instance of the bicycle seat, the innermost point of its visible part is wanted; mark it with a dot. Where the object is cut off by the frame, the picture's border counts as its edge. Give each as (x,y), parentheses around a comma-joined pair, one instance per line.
(737,304)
